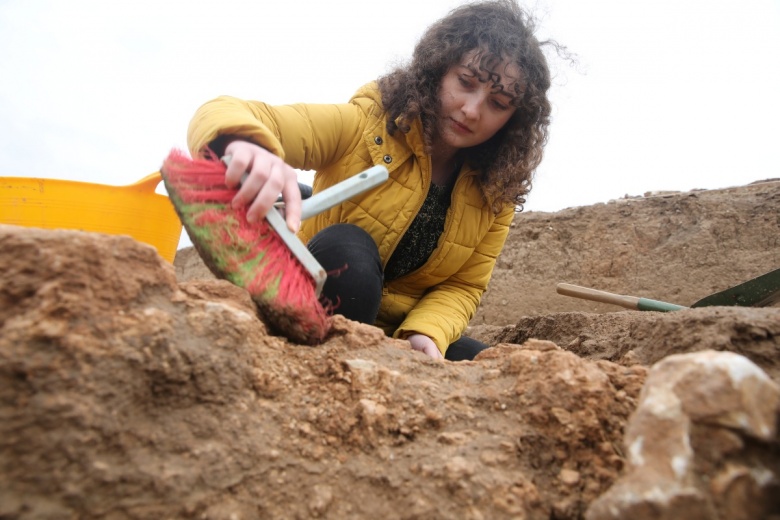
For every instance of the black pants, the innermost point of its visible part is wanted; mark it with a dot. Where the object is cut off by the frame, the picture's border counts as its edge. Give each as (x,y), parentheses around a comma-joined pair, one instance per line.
(355,279)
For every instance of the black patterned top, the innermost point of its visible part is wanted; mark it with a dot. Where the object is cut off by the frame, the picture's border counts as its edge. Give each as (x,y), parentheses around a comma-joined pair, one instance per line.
(421,238)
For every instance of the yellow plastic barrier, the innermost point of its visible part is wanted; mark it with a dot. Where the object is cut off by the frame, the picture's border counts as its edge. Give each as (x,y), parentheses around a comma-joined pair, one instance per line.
(134,210)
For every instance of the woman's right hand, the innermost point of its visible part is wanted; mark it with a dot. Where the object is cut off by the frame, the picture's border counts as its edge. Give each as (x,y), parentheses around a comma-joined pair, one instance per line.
(268,177)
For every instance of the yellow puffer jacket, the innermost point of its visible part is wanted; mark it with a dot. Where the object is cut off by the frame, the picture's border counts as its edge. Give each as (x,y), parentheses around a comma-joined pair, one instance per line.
(338,141)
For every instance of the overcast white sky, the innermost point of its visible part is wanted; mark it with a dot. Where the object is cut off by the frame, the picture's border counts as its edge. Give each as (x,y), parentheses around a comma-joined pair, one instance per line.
(667,95)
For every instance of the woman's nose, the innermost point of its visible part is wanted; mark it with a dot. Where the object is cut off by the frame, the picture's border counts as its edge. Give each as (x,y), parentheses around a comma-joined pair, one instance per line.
(472,104)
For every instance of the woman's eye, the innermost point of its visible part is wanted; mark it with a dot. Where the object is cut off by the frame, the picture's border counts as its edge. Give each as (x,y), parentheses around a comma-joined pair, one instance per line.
(464,81)
(499,105)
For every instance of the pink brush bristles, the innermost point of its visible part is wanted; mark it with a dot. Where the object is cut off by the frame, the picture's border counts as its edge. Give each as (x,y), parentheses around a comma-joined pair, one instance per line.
(249,255)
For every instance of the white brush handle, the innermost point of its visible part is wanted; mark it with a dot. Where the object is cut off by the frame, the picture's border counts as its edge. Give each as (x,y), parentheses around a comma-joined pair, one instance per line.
(296,247)
(342,191)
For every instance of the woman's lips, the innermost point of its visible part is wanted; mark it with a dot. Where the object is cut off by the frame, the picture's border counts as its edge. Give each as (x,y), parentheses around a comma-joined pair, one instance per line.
(460,127)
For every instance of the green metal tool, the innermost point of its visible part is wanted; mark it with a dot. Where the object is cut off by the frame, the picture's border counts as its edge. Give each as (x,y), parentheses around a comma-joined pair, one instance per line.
(761,291)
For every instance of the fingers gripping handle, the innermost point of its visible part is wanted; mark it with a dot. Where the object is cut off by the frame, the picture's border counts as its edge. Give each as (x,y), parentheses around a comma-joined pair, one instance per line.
(338,193)
(316,204)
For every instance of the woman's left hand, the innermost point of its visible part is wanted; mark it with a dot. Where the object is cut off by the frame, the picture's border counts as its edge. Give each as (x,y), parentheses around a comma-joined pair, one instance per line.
(424,344)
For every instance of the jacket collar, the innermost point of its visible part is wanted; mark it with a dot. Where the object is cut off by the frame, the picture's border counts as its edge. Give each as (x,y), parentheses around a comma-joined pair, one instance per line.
(393,150)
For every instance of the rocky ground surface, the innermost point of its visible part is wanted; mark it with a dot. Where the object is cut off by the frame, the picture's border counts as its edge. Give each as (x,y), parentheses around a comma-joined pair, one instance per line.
(130,388)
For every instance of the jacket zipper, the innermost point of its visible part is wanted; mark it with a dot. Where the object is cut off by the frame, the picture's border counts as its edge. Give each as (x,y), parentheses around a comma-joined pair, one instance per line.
(447,225)
(427,182)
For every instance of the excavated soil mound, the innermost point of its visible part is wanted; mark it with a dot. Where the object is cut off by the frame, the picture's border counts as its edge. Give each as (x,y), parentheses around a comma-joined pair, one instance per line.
(673,247)
(631,337)
(130,389)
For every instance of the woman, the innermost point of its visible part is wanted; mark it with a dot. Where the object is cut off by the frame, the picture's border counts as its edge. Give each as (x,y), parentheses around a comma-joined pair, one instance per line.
(461,130)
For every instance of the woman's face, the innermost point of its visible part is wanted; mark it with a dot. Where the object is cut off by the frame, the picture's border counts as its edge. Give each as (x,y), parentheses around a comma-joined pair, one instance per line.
(475,106)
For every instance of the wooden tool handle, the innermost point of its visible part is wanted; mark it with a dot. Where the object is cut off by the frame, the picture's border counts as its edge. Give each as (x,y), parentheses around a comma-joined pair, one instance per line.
(629,302)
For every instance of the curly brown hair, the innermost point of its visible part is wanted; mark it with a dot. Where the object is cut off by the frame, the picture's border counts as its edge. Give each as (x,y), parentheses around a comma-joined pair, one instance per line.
(498,30)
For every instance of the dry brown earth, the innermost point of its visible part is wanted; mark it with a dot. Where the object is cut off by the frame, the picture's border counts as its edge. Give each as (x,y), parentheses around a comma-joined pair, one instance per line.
(133,389)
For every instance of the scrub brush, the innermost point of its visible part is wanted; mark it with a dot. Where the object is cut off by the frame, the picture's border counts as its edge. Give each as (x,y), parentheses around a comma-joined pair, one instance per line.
(265,258)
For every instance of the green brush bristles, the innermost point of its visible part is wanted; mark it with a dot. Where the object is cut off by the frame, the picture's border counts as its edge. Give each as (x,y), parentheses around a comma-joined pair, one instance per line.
(249,255)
